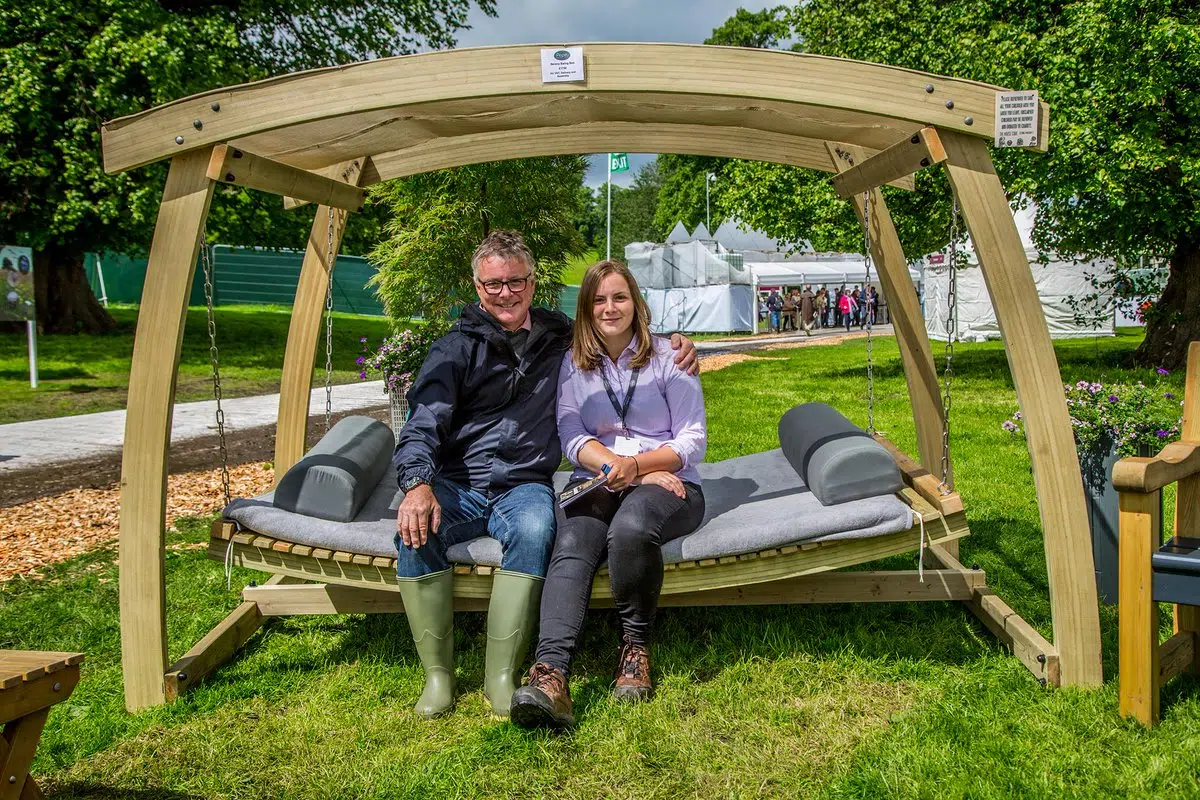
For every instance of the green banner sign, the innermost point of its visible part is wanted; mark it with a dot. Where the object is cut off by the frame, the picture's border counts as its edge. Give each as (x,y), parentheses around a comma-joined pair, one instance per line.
(618,162)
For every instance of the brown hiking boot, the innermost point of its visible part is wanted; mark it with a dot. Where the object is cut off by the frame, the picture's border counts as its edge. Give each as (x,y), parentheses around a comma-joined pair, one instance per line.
(633,672)
(544,702)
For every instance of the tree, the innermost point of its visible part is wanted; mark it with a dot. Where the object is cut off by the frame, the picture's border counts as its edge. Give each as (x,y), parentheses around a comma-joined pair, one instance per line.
(1122,175)
(760,29)
(68,65)
(633,210)
(439,218)
(590,220)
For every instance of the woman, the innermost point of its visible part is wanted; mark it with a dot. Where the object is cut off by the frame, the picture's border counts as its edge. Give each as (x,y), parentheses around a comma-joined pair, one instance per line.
(623,407)
(846,307)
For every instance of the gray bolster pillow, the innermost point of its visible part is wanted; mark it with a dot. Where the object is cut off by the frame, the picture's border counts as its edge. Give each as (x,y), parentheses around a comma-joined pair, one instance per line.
(335,478)
(835,458)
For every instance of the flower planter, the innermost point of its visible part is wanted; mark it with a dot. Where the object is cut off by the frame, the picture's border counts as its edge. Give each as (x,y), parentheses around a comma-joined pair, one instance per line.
(1103,511)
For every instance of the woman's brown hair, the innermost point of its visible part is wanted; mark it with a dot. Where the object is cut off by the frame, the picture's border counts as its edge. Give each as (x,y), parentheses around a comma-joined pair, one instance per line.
(587,344)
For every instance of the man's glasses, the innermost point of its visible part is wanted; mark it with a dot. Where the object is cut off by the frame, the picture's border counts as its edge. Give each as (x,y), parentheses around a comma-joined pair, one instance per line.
(515,285)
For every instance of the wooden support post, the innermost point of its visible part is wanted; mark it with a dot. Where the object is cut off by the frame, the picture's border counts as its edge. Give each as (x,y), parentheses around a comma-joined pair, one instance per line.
(17,748)
(1140,535)
(916,354)
(296,383)
(217,646)
(1038,382)
(921,150)
(235,166)
(1038,656)
(173,253)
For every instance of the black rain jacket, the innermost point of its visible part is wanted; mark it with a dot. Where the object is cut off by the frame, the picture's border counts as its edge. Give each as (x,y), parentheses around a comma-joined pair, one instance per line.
(479,414)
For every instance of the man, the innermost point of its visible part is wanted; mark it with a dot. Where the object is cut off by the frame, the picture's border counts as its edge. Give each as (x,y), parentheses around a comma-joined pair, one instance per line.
(477,457)
(806,309)
(774,308)
(789,311)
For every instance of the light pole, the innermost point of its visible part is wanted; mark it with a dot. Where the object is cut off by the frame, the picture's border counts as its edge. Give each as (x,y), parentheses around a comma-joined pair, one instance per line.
(708,179)
(608,215)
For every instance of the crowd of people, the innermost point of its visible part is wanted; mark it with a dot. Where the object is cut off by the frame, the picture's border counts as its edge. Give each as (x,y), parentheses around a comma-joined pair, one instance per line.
(797,310)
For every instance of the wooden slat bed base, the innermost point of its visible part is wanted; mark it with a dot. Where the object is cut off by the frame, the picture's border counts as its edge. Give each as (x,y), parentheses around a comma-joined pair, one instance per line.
(728,572)
(828,587)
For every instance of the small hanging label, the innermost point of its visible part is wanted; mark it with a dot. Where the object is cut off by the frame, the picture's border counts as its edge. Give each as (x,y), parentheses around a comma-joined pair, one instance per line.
(1017,119)
(562,64)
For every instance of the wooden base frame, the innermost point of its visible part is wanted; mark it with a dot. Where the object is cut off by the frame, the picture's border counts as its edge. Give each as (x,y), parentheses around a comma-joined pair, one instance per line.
(400,111)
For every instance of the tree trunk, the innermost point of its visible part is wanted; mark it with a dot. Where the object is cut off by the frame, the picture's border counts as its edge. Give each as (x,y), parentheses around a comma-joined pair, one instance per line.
(65,302)
(1175,320)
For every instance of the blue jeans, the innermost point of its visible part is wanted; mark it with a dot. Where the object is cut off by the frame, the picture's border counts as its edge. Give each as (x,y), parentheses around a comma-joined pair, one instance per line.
(775,320)
(521,519)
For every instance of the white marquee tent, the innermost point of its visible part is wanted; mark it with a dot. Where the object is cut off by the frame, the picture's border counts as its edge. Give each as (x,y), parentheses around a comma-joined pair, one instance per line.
(1058,280)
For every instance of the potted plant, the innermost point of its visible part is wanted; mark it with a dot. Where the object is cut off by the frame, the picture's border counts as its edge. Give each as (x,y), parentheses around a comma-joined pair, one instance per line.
(398,359)
(1111,421)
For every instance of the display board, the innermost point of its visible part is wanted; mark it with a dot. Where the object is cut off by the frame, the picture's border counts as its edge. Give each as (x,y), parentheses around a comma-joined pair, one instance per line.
(16,266)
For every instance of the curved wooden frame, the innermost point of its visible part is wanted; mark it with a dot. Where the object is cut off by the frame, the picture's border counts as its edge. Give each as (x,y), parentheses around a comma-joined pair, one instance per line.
(404,115)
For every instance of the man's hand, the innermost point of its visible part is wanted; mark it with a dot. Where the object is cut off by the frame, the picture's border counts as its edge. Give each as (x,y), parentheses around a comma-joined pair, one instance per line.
(685,356)
(418,516)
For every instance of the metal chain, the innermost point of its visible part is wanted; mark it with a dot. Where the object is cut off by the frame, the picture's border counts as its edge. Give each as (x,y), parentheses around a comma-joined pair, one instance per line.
(330,255)
(214,357)
(945,486)
(866,309)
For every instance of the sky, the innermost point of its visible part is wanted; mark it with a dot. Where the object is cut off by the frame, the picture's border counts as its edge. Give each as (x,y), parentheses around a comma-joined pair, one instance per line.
(580,21)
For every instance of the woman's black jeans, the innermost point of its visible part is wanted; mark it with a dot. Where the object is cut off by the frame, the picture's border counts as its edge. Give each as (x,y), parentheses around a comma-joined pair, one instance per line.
(630,527)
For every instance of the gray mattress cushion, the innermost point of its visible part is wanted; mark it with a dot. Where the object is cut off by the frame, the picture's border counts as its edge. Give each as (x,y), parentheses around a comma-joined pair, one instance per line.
(334,479)
(754,502)
(838,460)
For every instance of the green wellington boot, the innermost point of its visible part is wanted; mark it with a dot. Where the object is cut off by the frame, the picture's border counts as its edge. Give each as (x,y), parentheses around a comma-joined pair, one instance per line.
(429,603)
(512,617)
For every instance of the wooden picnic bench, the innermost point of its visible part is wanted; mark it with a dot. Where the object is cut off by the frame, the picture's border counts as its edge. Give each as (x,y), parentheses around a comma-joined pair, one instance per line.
(30,683)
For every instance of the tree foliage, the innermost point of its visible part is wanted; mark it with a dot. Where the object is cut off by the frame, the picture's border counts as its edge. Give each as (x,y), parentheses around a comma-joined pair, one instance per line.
(438,219)
(68,65)
(1122,77)
(633,210)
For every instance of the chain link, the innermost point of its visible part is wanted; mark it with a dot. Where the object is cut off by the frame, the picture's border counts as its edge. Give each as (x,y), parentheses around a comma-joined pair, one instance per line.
(946,487)
(214,357)
(866,309)
(330,255)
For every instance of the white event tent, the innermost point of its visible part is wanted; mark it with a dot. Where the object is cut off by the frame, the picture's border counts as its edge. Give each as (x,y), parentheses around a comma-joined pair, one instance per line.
(1057,279)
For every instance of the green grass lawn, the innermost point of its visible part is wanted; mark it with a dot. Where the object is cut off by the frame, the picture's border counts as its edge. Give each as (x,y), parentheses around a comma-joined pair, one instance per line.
(899,700)
(577,265)
(80,374)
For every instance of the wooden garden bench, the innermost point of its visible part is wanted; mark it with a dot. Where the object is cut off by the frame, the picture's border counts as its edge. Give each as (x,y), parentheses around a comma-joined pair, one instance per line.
(30,683)
(1151,572)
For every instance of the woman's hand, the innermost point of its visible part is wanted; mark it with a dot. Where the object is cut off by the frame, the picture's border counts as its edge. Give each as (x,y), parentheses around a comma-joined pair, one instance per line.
(622,470)
(667,481)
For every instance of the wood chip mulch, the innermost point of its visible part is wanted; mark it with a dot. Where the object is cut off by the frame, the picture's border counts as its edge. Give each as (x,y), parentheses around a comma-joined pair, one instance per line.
(52,529)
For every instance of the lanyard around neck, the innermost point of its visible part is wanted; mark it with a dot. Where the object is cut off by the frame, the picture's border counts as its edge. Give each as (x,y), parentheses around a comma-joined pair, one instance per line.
(622,409)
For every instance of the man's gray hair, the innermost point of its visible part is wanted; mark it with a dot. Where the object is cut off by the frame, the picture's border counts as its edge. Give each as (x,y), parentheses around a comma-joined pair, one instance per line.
(505,245)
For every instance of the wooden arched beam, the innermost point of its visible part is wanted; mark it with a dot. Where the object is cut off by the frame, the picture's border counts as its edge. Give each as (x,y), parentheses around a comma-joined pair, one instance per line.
(599,137)
(1038,381)
(478,90)
(295,385)
(173,252)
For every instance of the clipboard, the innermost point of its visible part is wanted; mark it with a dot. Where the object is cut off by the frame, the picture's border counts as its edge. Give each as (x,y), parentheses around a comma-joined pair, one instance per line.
(579,490)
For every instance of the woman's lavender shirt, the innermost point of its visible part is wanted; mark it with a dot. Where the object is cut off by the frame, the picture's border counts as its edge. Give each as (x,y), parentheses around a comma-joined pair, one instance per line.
(667,408)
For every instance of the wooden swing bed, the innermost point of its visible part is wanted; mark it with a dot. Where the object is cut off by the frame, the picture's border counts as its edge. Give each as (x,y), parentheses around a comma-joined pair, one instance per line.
(321,136)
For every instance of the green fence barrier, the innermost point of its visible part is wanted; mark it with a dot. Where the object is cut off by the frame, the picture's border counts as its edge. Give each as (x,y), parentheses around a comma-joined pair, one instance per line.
(248,276)
(241,276)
